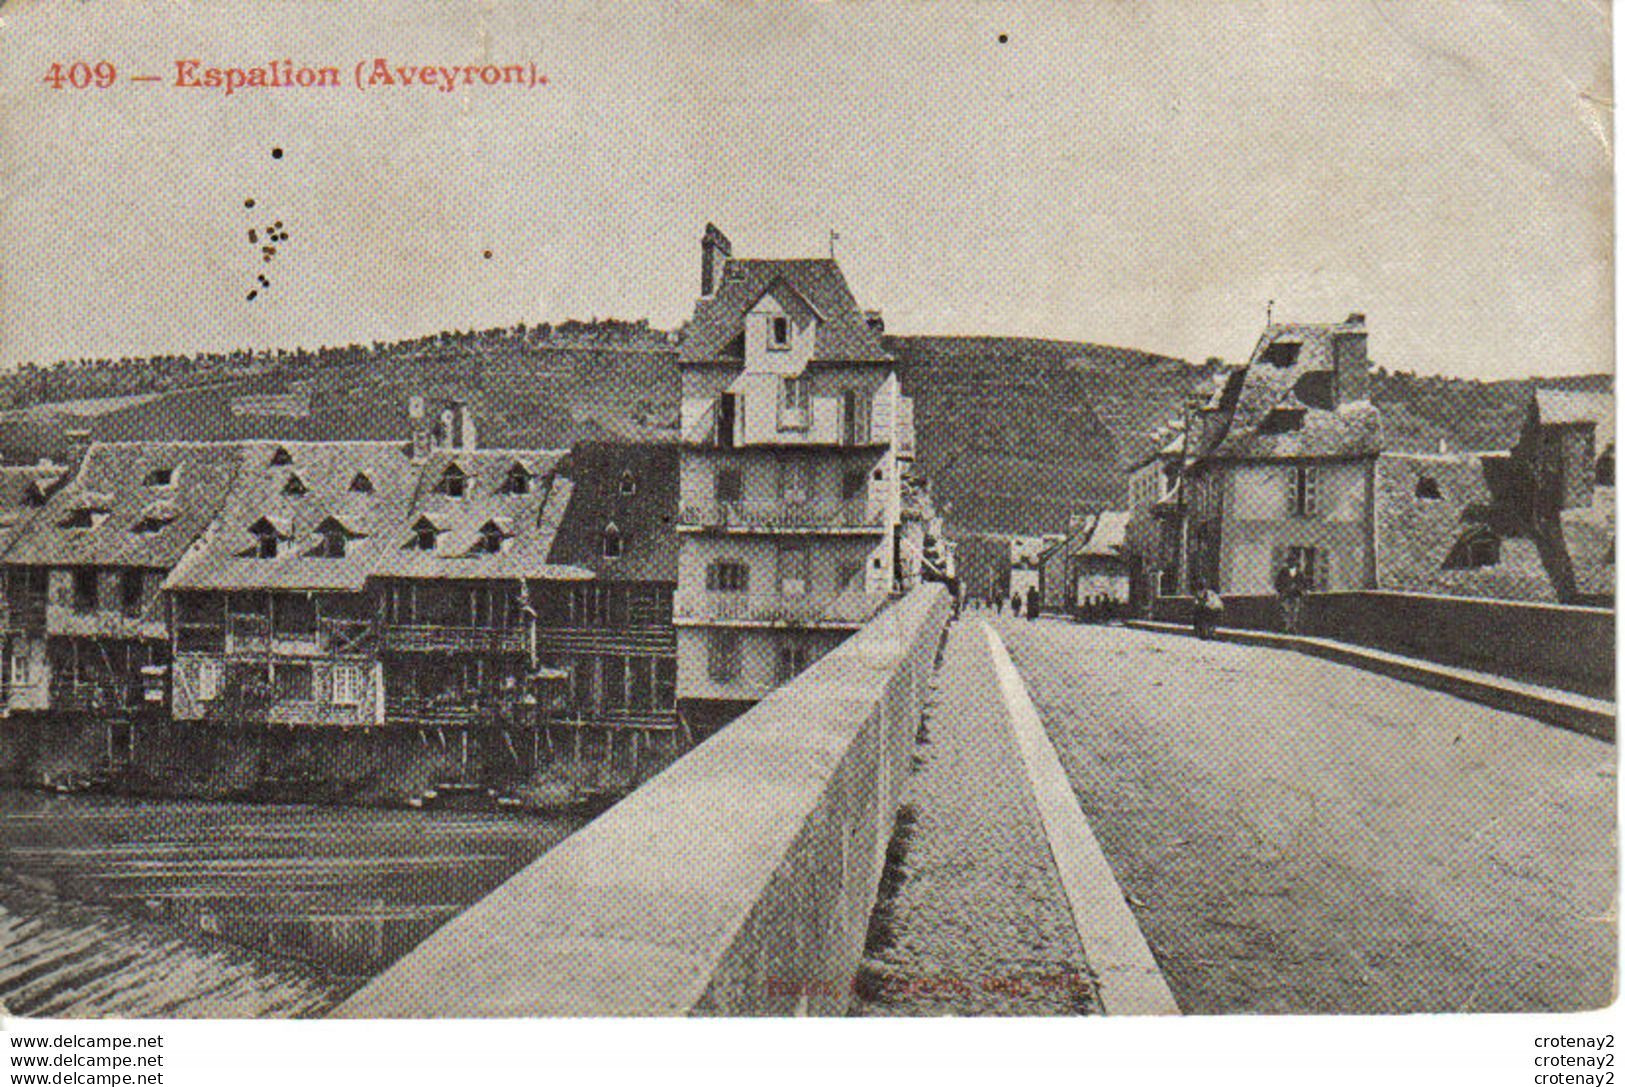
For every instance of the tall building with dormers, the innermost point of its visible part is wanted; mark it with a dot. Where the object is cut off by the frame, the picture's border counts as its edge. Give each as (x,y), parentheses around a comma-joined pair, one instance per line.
(792,430)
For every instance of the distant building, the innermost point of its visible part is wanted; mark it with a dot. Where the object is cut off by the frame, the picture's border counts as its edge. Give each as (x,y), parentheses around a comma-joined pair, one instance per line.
(1283,465)
(1090,563)
(1153,538)
(793,439)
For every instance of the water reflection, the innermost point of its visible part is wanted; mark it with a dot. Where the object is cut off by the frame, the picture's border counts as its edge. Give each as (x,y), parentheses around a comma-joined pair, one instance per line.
(348,890)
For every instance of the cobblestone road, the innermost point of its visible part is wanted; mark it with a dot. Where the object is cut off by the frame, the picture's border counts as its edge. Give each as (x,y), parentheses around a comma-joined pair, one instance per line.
(975,921)
(1300,836)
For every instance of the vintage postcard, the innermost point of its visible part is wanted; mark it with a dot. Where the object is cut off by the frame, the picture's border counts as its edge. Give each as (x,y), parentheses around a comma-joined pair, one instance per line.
(843,509)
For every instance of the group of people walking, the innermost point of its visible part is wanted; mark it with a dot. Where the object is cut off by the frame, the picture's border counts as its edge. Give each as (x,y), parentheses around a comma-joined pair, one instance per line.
(1291,583)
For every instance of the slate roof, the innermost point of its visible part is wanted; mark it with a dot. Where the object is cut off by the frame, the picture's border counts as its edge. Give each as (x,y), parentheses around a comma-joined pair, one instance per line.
(644,519)
(714,332)
(529,521)
(22,494)
(112,492)
(227,557)
(1266,411)
(1105,536)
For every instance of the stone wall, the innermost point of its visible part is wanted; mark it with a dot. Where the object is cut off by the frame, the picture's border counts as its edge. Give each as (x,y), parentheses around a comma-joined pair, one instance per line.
(738,882)
(1571,648)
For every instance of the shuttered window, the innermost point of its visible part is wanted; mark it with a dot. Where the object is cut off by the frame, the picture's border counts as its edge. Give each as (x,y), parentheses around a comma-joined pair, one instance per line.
(1305,486)
(724,656)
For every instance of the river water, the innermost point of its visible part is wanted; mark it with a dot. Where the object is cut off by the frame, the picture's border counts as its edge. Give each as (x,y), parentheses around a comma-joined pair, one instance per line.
(326,897)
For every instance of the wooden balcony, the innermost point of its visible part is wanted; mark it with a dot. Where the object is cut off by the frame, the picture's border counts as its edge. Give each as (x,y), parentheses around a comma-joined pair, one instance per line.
(432,638)
(640,641)
(812,610)
(854,517)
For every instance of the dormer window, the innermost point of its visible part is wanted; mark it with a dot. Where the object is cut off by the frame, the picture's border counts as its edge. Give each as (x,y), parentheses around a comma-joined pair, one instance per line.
(517,480)
(453,483)
(266,538)
(778,333)
(295,486)
(1427,487)
(491,538)
(612,541)
(160,477)
(332,539)
(34,496)
(425,533)
(629,483)
(154,518)
(1282,353)
(280,457)
(361,483)
(84,517)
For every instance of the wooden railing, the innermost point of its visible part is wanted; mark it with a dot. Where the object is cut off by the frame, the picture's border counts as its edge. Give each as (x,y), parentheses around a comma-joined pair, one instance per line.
(432,638)
(780,516)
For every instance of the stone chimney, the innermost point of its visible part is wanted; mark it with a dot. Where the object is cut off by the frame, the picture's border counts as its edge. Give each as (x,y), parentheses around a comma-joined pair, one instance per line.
(422,428)
(715,249)
(77,444)
(1350,362)
(458,427)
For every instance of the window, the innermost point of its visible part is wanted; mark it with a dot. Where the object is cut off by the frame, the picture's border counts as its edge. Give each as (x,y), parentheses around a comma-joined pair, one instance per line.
(730,485)
(295,486)
(332,540)
(795,481)
(612,542)
(727,576)
(1304,481)
(629,483)
(1282,354)
(361,483)
(265,538)
(794,395)
(1427,487)
(849,577)
(1605,468)
(794,656)
(793,569)
(723,651)
(132,591)
(22,669)
(150,524)
(346,685)
(210,679)
(424,535)
(453,483)
(852,484)
(778,333)
(84,517)
(295,615)
(1477,548)
(292,682)
(281,456)
(517,481)
(665,683)
(490,540)
(84,590)
(160,477)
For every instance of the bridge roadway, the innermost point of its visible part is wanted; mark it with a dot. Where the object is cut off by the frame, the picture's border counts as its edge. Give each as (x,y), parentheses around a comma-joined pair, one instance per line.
(1296,835)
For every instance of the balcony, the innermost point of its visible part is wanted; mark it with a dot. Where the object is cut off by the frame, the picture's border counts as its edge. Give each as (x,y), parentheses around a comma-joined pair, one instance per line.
(854,517)
(830,610)
(432,638)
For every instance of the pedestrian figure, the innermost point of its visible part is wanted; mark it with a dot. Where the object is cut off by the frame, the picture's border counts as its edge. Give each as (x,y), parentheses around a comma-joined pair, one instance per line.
(1211,605)
(1289,587)
(1198,612)
(1035,604)
(1015,605)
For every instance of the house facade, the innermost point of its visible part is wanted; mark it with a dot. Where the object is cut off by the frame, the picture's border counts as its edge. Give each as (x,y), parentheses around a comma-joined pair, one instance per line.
(1284,466)
(790,481)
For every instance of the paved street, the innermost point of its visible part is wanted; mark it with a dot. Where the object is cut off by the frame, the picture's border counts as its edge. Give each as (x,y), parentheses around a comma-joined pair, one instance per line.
(975,922)
(1301,836)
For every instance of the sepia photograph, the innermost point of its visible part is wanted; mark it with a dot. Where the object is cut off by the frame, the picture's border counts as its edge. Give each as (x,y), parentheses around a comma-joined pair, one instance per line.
(513,511)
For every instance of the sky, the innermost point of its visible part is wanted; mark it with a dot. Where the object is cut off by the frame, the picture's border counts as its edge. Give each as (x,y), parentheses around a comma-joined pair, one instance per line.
(1149,174)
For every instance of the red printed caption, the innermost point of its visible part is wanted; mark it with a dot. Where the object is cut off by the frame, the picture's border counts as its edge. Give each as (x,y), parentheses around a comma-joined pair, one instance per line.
(364,75)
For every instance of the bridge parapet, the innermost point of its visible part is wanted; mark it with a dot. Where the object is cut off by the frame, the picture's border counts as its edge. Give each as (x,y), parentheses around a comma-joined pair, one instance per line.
(738,882)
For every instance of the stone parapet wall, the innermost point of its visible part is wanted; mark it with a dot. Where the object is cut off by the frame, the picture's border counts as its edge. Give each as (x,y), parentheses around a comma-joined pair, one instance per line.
(738,882)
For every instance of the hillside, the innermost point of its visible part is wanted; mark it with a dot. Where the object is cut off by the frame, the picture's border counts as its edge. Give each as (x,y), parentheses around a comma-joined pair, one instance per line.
(1014,434)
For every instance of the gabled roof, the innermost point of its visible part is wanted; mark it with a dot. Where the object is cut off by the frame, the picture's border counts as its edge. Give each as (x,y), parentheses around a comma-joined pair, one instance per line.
(1105,537)
(843,335)
(1558,407)
(111,478)
(227,556)
(644,519)
(1269,410)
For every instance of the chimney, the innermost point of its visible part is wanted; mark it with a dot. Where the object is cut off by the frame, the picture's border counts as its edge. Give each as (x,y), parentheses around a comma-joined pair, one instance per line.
(77,445)
(715,249)
(460,427)
(422,428)
(1349,360)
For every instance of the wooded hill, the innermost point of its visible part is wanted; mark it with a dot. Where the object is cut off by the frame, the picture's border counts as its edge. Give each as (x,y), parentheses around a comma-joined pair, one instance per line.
(1014,434)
